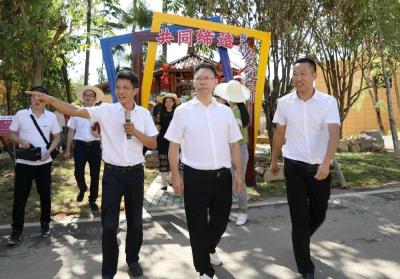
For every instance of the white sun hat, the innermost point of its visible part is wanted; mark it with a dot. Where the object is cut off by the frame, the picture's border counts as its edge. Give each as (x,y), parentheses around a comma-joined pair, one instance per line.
(232,91)
(169,95)
(99,93)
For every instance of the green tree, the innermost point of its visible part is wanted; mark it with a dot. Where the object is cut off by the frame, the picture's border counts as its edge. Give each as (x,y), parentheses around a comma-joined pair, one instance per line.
(385,14)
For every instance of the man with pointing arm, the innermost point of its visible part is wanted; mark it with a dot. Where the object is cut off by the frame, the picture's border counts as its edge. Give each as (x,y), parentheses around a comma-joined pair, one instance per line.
(123,169)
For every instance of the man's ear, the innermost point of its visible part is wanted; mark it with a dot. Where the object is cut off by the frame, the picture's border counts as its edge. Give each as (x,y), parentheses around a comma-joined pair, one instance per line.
(135,91)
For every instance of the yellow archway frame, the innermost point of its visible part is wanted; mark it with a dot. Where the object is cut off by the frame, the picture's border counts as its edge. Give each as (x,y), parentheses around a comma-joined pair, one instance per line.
(263,37)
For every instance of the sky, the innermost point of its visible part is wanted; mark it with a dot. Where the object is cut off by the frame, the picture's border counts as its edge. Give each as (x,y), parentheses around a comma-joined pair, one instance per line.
(174,51)
(96,58)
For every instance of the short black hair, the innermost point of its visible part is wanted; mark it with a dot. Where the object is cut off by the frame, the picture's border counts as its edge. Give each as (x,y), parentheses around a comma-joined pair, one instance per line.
(203,65)
(129,75)
(40,89)
(308,60)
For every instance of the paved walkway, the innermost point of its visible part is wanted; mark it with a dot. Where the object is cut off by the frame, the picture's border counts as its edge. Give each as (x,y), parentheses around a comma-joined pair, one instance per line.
(360,239)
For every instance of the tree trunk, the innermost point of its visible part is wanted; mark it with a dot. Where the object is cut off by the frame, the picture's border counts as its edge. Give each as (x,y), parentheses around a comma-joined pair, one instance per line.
(396,86)
(8,87)
(88,22)
(375,101)
(164,46)
(37,68)
(66,80)
(339,173)
(392,120)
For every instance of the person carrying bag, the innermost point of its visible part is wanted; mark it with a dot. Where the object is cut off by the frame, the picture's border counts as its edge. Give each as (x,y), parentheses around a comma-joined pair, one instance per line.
(55,151)
(33,163)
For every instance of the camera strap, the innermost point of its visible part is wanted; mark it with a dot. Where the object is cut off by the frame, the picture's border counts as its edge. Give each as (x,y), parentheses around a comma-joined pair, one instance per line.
(39,130)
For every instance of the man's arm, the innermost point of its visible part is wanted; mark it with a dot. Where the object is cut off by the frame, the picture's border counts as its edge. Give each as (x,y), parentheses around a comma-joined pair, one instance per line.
(12,136)
(54,144)
(59,105)
(148,141)
(333,142)
(277,143)
(173,158)
(70,137)
(56,141)
(237,163)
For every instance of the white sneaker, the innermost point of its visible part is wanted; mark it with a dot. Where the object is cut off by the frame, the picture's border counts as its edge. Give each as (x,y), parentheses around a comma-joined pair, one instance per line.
(205,276)
(214,259)
(241,220)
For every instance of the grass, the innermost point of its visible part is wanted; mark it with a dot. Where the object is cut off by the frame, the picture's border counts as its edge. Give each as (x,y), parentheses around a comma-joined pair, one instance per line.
(64,191)
(360,169)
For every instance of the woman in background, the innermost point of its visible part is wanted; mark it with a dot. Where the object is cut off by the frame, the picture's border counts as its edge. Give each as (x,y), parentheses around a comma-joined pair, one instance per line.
(236,95)
(168,102)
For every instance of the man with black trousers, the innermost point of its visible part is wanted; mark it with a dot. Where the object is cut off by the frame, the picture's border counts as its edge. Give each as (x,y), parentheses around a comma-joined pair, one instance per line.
(209,137)
(87,147)
(308,122)
(24,132)
(122,144)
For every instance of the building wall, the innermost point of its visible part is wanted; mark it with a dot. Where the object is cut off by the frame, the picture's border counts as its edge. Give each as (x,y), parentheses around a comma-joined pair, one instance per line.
(362,116)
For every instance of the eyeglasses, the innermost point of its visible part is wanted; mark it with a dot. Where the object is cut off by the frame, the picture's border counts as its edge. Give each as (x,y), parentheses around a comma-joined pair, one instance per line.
(203,78)
(89,95)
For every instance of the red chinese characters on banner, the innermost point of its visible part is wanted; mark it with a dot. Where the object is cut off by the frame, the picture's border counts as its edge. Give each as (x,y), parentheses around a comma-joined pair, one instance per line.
(165,36)
(204,37)
(5,122)
(186,37)
(250,68)
(225,40)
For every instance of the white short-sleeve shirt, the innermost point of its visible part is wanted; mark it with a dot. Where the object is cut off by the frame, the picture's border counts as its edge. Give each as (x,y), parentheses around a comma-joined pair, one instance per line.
(27,131)
(82,128)
(306,124)
(117,149)
(204,133)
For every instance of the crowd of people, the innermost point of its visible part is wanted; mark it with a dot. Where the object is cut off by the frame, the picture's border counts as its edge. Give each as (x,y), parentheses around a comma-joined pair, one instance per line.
(202,143)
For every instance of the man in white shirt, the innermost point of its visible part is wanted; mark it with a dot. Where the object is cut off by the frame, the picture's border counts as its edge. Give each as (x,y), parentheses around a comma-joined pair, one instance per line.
(209,137)
(308,122)
(86,146)
(122,144)
(23,132)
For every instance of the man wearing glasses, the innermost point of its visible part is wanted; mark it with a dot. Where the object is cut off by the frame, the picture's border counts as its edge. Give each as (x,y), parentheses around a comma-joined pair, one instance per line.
(86,146)
(209,137)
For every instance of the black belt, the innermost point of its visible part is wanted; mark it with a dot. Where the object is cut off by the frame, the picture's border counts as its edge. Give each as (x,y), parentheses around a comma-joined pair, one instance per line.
(87,143)
(120,169)
(212,172)
(303,164)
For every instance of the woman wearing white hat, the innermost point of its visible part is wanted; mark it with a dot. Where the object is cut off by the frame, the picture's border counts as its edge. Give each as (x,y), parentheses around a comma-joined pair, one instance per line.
(168,102)
(236,95)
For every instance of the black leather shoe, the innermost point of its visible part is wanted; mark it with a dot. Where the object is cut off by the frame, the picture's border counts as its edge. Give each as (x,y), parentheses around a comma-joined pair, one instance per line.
(45,230)
(308,275)
(80,196)
(93,206)
(14,237)
(135,269)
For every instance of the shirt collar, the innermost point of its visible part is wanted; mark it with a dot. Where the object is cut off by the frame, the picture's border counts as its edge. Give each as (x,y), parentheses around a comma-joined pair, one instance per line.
(315,97)
(121,108)
(196,101)
(30,112)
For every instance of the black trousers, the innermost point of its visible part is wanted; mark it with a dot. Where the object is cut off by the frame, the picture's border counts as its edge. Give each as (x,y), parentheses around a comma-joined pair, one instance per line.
(129,184)
(24,175)
(88,152)
(208,201)
(308,202)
